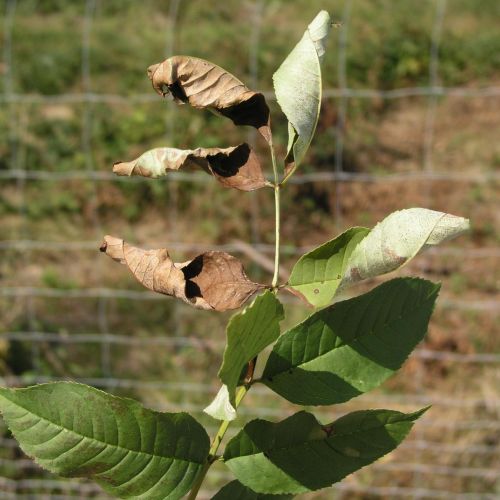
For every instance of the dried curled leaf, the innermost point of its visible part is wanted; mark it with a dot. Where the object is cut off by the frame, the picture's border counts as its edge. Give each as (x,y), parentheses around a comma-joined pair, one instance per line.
(211,281)
(236,167)
(205,85)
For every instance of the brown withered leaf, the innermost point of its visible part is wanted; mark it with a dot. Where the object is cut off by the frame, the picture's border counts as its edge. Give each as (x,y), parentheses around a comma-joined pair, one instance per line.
(211,281)
(236,167)
(205,85)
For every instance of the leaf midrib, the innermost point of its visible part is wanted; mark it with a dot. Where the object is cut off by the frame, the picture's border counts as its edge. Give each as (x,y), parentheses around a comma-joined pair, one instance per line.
(116,446)
(303,283)
(346,434)
(383,326)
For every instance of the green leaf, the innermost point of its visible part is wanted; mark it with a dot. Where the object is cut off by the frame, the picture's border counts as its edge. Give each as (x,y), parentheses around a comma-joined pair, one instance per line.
(236,491)
(77,431)
(248,333)
(297,84)
(299,454)
(318,273)
(352,346)
(397,239)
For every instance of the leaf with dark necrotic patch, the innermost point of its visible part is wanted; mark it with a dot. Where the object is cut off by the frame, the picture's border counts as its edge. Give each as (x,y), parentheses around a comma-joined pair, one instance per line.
(202,84)
(211,281)
(236,167)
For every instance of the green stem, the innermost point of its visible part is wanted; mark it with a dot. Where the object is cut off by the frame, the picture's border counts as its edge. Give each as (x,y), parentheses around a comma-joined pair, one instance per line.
(277,218)
(212,454)
(225,424)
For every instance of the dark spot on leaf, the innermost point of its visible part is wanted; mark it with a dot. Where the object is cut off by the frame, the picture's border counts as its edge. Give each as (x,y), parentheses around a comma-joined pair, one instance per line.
(394,256)
(316,290)
(253,111)
(227,165)
(192,270)
(177,92)
(355,274)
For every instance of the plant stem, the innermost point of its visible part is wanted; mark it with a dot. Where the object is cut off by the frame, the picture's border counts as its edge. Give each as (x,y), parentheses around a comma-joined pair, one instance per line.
(215,446)
(225,424)
(212,454)
(277,219)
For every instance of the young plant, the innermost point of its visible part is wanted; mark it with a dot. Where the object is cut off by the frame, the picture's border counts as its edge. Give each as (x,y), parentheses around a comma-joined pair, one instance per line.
(343,349)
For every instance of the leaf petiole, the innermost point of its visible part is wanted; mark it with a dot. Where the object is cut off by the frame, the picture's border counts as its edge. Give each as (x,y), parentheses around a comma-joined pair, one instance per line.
(212,454)
(277,188)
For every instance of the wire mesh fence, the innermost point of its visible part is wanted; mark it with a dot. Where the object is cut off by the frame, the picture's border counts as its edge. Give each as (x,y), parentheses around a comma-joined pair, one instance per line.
(85,329)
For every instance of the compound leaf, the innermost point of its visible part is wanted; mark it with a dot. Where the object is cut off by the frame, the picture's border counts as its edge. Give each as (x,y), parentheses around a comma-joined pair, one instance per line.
(318,273)
(397,239)
(202,84)
(297,84)
(352,346)
(237,491)
(236,167)
(77,431)
(211,281)
(299,454)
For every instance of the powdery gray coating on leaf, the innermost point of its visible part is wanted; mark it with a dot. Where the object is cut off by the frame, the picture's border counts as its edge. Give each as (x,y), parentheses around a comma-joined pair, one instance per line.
(211,281)
(397,239)
(236,167)
(202,84)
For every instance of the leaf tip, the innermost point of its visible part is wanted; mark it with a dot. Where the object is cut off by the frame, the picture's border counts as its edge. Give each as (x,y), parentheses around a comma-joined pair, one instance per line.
(152,70)
(417,414)
(113,247)
(123,168)
(323,16)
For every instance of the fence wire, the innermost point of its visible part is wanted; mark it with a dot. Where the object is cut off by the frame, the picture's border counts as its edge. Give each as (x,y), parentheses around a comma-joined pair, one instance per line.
(417,452)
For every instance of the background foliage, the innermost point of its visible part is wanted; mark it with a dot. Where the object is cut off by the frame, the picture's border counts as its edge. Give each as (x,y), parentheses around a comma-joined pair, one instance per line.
(65,312)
